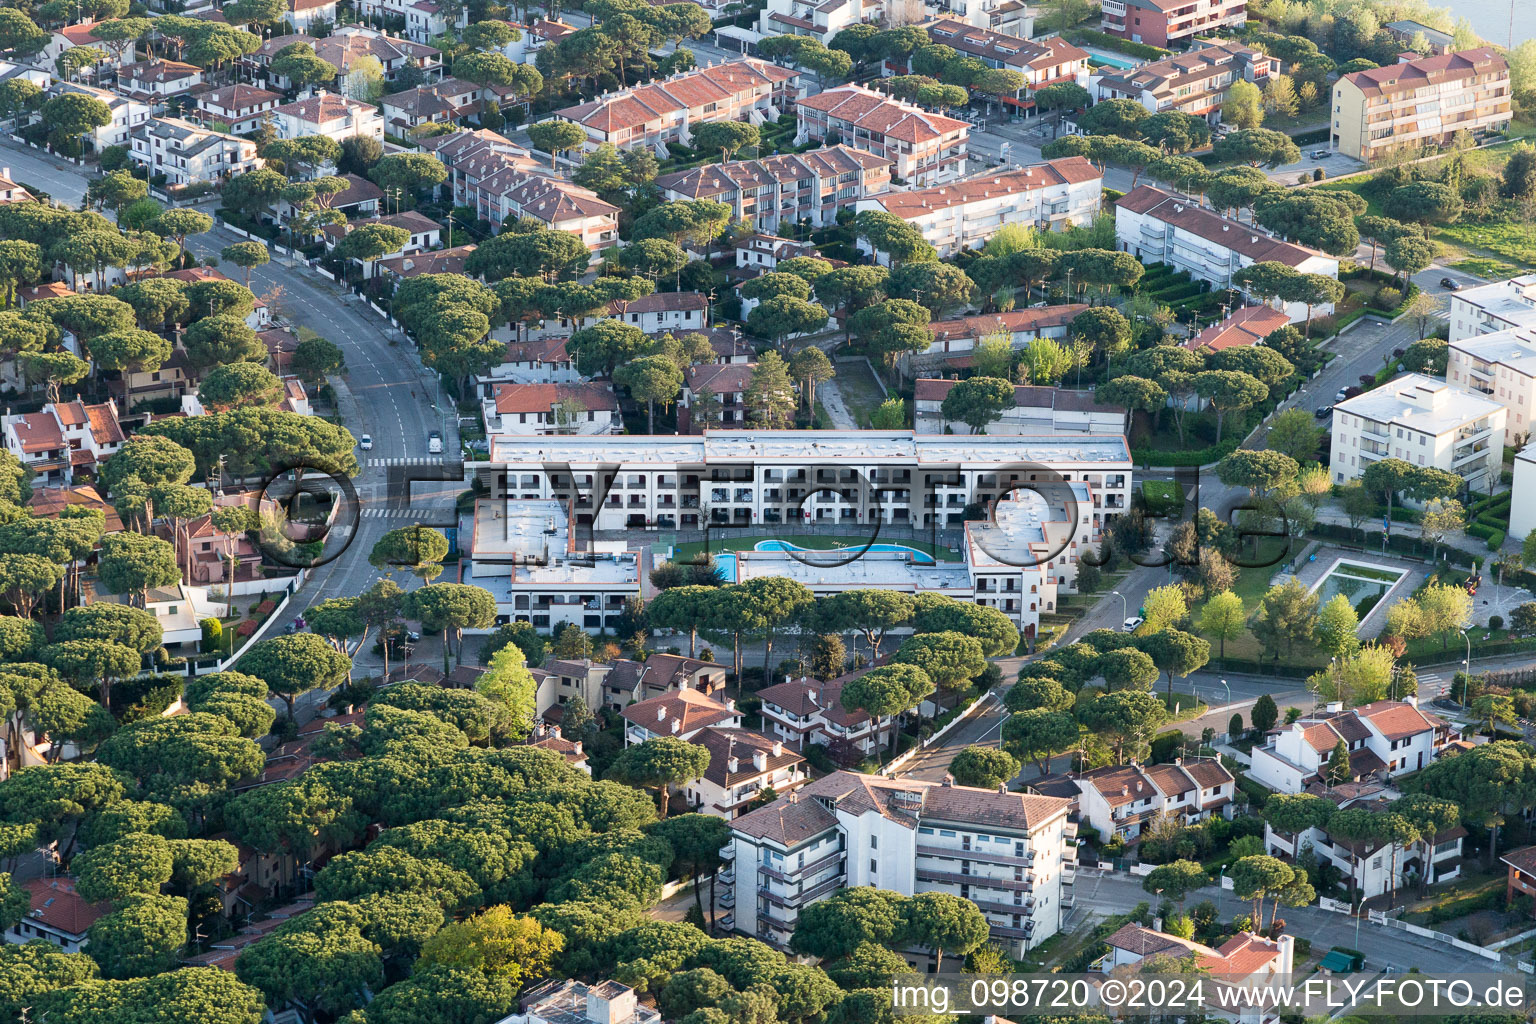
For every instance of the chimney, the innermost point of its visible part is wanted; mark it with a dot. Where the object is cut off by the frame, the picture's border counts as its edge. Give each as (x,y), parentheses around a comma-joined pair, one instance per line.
(1157,924)
(661,714)
(1334,707)
(759,760)
(1411,701)
(733,765)
(1287,945)
(778,748)
(1002,789)
(949,780)
(677,726)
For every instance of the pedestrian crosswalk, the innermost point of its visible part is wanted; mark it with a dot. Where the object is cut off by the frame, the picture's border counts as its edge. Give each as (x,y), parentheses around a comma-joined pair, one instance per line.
(425,460)
(392,513)
(1432,685)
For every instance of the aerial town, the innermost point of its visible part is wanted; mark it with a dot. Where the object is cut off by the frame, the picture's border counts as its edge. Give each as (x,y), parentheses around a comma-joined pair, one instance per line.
(1077,517)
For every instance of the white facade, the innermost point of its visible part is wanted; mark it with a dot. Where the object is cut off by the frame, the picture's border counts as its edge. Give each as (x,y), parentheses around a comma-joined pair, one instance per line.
(805,711)
(544,409)
(1491,308)
(1121,800)
(1037,410)
(127,114)
(1159,227)
(1385,739)
(1006,852)
(1501,366)
(186,153)
(1050,196)
(1522,506)
(423,19)
(1425,422)
(336,117)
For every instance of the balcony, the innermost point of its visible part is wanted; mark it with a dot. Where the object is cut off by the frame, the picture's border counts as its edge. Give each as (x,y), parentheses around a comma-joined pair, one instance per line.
(957,878)
(805,896)
(794,875)
(1007,860)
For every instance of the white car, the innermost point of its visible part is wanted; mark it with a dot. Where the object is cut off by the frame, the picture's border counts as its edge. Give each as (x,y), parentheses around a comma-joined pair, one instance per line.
(1132,624)
(366,443)
(434,443)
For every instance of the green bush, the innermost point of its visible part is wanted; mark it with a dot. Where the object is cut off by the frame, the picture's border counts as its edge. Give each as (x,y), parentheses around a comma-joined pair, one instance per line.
(213,635)
(1198,457)
(1093,37)
(1389,298)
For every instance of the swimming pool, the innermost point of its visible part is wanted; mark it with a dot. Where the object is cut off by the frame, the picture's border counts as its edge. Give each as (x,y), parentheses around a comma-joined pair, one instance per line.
(727,560)
(1363,584)
(1114,60)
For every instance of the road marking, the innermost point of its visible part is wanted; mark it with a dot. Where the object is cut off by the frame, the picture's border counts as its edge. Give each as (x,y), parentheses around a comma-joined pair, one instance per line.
(389,513)
(415,461)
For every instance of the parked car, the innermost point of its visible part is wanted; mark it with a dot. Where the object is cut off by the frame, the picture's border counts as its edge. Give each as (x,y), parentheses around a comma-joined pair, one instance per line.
(435,443)
(1323,412)
(1449,285)
(366,444)
(1343,393)
(1132,624)
(1321,154)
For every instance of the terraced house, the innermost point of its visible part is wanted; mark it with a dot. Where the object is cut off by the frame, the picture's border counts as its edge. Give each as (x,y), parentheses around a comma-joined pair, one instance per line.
(1010,853)
(1421,102)
(785,189)
(1042,62)
(661,111)
(1189,83)
(925,148)
(963,214)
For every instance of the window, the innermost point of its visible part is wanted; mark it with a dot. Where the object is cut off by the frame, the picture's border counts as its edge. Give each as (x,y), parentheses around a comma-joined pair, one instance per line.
(874,866)
(874,842)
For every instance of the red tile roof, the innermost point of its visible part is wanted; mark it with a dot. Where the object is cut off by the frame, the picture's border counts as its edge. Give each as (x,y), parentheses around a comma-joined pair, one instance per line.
(56,904)
(1247,326)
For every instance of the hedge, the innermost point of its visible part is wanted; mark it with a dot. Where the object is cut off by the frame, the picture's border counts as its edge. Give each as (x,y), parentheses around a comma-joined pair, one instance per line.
(1413,547)
(1096,38)
(1198,457)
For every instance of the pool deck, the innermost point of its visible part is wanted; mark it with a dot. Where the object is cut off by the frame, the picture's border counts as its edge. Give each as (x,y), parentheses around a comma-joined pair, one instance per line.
(1415,573)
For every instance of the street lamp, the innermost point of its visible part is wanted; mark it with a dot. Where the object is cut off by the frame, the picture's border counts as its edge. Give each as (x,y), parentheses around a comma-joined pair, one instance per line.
(1466,678)
(1229,691)
(1123,607)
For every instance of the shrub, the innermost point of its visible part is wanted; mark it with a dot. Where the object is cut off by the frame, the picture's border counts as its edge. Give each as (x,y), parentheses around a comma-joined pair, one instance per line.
(1495,622)
(213,634)
(1388,298)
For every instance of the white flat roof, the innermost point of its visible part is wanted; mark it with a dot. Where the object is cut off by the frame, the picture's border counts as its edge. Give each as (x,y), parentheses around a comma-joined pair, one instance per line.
(891,569)
(1506,300)
(1515,347)
(1445,408)
(803,446)
(1028,530)
(519,529)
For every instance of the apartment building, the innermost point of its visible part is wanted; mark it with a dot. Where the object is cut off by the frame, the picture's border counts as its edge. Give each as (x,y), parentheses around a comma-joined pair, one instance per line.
(424,234)
(543,409)
(1190,83)
(1502,366)
(1170,22)
(679,714)
(744,766)
(658,313)
(346,44)
(954,340)
(1522,509)
(1421,102)
(440,261)
(63,438)
(727,382)
(1369,863)
(304,13)
(155,81)
(545,361)
(239,109)
(1042,62)
(806,711)
(258,319)
(1121,800)
(10,191)
(822,20)
(62,40)
(1050,196)
(187,153)
(127,114)
(1006,852)
(1489,308)
(334,116)
(1036,410)
(925,148)
(534,38)
(523,552)
(784,190)
(1410,32)
(1425,422)
(1160,227)
(1385,739)
(661,111)
(759,254)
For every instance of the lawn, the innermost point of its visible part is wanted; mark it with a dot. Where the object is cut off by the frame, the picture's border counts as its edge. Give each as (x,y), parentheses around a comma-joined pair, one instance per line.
(1251,585)
(1163,496)
(740,540)
(861,392)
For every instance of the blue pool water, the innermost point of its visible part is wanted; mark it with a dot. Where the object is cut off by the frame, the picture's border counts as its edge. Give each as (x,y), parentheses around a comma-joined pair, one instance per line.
(727,561)
(1114,60)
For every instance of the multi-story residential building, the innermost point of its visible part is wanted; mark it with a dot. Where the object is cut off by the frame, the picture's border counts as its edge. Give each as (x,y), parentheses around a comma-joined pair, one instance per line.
(346,44)
(743,766)
(784,190)
(1248,326)
(1042,62)
(1411,32)
(1189,83)
(71,36)
(1522,872)
(424,234)
(1489,308)
(759,254)
(925,148)
(1368,863)
(632,481)
(680,714)
(805,711)
(622,682)
(728,383)
(523,552)
(441,102)
(543,409)
(1050,196)
(1522,509)
(187,153)
(658,313)
(258,319)
(1006,852)
(661,111)
(954,340)
(1036,410)
(569,1002)
(1160,227)
(334,116)
(155,81)
(822,20)
(534,38)
(1501,366)
(302,14)
(545,361)
(423,20)
(10,192)
(236,108)
(1421,103)
(50,502)
(1241,971)
(1385,739)
(63,438)
(1425,422)
(127,114)
(1169,22)
(1120,800)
